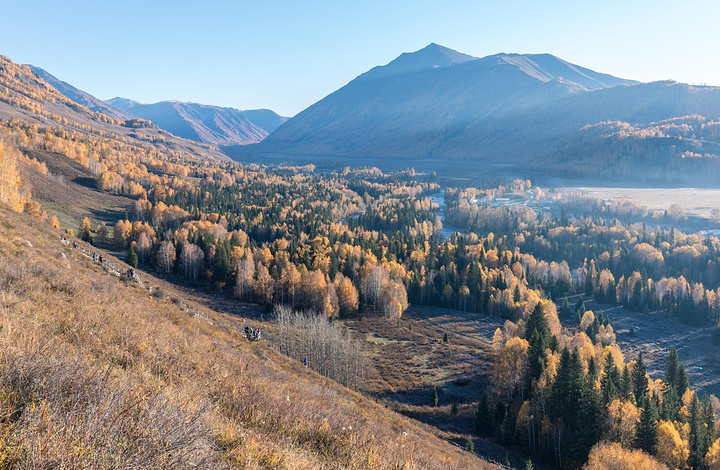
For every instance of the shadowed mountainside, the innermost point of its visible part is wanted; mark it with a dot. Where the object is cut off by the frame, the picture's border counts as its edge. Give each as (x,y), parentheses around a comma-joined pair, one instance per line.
(531,111)
(203,123)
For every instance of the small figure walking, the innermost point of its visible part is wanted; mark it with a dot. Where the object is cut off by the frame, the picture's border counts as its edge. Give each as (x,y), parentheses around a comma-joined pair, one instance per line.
(305,361)
(94,256)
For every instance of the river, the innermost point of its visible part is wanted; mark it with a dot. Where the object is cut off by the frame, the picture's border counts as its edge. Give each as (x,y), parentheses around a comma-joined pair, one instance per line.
(447,230)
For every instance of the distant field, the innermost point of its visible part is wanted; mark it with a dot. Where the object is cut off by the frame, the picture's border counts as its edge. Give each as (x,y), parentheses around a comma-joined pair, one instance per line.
(655,334)
(695,201)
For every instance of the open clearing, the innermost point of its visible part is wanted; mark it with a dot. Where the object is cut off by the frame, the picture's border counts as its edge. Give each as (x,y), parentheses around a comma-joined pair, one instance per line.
(696,201)
(655,334)
(409,358)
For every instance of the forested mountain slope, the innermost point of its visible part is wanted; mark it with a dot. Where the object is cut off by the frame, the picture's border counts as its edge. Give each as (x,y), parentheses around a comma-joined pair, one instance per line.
(531,111)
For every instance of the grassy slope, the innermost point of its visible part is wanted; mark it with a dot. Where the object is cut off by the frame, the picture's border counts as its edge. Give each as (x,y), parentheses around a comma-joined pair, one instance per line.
(95,371)
(70,191)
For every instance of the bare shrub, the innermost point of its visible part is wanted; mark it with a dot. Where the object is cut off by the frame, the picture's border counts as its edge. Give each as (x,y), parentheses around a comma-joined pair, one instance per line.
(328,348)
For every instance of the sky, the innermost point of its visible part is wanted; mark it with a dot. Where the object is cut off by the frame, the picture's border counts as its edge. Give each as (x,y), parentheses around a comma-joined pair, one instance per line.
(286,55)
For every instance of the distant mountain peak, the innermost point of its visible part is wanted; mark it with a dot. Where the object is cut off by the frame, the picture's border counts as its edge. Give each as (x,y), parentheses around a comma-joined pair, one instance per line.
(431,56)
(213,125)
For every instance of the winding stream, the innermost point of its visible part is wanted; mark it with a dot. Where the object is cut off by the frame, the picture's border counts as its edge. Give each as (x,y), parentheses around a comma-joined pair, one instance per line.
(447,230)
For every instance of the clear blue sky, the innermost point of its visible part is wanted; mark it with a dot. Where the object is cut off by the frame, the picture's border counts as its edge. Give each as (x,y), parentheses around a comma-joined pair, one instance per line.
(285,55)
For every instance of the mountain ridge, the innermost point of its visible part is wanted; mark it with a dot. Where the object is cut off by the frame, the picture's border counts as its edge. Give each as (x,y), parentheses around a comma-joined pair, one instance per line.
(519,109)
(80,96)
(209,124)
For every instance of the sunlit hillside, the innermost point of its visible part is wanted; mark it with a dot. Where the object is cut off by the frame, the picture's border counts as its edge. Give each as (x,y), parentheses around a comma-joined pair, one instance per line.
(99,371)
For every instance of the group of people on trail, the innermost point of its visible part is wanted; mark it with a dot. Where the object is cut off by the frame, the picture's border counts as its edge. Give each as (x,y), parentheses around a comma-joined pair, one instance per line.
(130,273)
(97,258)
(252,334)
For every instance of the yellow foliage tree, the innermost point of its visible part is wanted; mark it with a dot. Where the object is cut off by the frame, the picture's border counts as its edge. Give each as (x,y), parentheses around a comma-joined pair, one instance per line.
(511,366)
(612,456)
(712,458)
(347,294)
(621,422)
(10,179)
(671,449)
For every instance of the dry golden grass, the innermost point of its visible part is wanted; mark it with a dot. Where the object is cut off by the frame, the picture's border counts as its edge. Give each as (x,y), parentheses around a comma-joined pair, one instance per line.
(97,373)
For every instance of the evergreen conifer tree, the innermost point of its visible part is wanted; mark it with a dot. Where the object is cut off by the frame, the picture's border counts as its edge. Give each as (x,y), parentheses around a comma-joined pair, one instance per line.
(626,385)
(682,382)
(698,434)
(672,363)
(483,418)
(610,380)
(537,321)
(646,429)
(640,380)
(132,258)
(537,358)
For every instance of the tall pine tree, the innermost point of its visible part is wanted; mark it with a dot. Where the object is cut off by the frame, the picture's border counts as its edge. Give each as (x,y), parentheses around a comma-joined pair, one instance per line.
(610,380)
(640,380)
(626,385)
(698,434)
(646,428)
(672,363)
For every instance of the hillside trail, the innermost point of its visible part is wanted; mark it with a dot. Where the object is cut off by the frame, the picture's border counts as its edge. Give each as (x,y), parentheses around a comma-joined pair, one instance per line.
(122,273)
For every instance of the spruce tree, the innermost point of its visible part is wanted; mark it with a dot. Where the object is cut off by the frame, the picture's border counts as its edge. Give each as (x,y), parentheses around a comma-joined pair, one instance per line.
(592,374)
(672,363)
(626,385)
(610,380)
(707,416)
(646,428)
(537,321)
(434,399)
(565,405)
(537,358)
(470,445)
(681,380)
(507,429)
(670,405)
(640,380)
(132,258)
(222,264)
(483,418)
(698,434)
(592,417)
